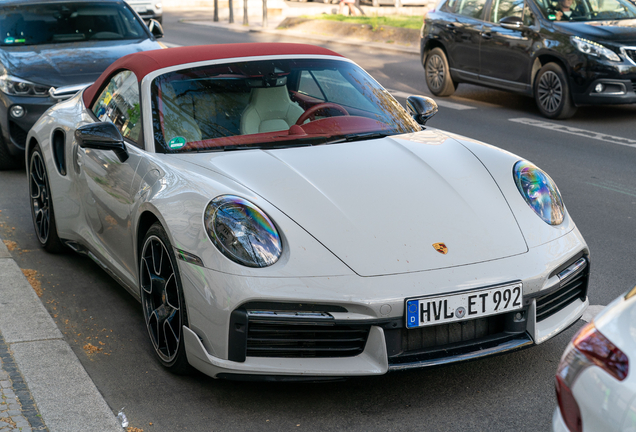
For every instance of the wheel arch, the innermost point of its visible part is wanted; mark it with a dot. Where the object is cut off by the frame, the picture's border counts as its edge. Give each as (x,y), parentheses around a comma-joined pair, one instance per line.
(431,44)
(542,60)
(146,220)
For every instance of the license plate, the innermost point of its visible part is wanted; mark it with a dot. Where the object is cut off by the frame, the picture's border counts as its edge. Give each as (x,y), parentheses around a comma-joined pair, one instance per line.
(462,306)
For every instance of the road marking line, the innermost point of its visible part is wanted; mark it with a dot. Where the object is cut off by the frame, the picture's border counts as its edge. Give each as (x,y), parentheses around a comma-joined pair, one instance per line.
(615,187)
(440,102)
(591,312)
(575,131)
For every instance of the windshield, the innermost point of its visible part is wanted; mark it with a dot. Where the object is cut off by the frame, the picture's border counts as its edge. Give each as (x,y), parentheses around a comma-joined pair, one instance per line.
(587,10)
(36,24)
(273,103)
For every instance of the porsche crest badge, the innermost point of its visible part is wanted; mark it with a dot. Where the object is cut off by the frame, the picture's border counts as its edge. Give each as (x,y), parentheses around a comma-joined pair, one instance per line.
(441,248)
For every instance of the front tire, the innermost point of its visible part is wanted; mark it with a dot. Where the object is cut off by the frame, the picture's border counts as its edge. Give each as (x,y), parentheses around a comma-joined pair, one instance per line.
(7,160)
(162,300)
(437,72)
(42,211)
(552,93)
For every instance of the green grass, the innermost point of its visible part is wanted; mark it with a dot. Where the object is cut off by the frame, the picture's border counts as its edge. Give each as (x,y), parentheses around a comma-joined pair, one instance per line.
(402,21)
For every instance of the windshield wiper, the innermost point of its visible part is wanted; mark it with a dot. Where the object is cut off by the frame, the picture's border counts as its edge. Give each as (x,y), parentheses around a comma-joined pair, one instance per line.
(358,137)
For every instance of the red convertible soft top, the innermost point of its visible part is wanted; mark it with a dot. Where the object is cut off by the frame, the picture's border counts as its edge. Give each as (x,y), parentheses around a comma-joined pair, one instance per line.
(145,62)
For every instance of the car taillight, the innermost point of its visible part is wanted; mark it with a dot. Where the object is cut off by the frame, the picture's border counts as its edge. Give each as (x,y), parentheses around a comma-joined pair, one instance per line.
(589,347)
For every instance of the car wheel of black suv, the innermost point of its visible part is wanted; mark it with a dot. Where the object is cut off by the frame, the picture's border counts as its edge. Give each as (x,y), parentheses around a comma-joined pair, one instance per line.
(437,71)
(552,93)
(7,160)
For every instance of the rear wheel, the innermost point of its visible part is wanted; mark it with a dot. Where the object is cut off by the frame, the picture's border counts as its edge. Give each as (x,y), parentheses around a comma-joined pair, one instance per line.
(42,204)
(552,93)
(437,72)
(162,300)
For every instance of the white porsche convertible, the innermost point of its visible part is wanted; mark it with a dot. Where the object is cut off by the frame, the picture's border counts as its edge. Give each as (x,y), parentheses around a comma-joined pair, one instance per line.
(279,215)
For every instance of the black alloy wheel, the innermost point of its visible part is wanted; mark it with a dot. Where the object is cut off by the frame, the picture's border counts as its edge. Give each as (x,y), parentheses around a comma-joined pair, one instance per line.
(162,300)
(41,204)
(552,93)
(437,72)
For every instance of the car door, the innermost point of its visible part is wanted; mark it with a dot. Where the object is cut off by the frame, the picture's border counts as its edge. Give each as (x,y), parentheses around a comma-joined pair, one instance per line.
(465,36)
(507,54)
(106,182)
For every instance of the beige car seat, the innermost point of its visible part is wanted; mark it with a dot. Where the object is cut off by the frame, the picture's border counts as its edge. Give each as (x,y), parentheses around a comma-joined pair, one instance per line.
(270,109)
(177,122)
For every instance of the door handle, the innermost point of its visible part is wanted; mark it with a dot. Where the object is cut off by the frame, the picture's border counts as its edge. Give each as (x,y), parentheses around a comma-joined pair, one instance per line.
(450,26)
(486,35)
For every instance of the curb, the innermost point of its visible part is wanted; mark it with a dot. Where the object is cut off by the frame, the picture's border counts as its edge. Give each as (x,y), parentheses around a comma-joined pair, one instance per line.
(297,34)
(62,390)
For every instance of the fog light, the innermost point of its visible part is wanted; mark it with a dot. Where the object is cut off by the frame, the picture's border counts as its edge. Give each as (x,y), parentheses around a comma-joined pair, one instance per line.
(17,111)
(599,88)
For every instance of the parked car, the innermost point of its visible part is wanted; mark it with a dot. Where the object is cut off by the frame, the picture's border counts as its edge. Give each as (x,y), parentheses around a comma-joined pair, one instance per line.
(148,9)
(50,50)
(585,56)
(595,383)
(278,213)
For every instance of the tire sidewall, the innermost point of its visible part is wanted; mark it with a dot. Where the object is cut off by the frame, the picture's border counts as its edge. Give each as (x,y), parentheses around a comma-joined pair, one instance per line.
(179,361)
(448,86)
(52,243)
(565,107)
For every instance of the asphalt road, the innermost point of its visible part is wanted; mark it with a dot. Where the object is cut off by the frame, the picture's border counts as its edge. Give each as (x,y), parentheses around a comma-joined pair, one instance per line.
(586,156)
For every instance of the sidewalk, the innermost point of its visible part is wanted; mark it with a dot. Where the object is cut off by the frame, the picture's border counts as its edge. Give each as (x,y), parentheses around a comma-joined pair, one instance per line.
(43,386)
(203,17)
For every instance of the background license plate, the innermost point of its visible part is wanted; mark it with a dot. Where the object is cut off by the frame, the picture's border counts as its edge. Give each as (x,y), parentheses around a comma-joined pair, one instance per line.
(462,306)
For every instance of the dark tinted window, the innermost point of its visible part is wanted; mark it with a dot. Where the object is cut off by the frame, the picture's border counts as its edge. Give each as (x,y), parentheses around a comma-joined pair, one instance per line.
(507,8)
(471,8)
(36,24)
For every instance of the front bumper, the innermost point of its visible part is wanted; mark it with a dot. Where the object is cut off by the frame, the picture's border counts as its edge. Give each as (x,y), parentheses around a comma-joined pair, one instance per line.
(618,81)
(377,304)
(15,130)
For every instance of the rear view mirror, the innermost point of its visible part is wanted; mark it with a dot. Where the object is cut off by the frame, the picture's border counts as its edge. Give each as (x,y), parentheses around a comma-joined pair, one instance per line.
(421,108)
(155,28)
(102,136)
(511,22)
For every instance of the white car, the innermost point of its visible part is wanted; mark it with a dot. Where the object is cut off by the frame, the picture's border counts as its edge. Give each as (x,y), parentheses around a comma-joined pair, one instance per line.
(596,387)
(277,212)
(148,9)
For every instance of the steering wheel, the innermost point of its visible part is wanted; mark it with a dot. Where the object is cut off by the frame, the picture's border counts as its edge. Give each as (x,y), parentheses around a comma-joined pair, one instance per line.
(311,112)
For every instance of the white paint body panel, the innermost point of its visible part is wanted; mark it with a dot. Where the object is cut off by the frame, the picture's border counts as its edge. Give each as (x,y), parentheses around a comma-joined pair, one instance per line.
(607,404)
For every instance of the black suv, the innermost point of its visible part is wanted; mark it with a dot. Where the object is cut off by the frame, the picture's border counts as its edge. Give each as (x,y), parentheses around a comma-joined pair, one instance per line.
(51,49)
(565,53)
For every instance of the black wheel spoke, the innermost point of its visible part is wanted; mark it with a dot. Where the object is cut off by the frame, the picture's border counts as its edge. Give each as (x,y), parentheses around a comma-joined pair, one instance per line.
(161,299)
(40,201)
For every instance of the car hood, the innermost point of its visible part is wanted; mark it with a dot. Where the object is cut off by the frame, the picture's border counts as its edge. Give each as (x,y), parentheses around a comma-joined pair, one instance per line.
(381,205)
(621,31)
(70,63)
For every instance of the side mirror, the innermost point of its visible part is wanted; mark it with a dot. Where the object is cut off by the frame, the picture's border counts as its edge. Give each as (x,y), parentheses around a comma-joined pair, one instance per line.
(511,22)
(102,136)
(155,28)
(421,108)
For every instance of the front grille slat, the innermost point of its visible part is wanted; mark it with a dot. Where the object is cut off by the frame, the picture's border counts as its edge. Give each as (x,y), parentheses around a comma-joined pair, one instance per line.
(304,339)
(574,289)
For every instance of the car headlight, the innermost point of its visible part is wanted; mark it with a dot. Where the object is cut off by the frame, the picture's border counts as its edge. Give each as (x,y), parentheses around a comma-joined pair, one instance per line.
(242,232)
(540,192)
(594,49)
(20,87)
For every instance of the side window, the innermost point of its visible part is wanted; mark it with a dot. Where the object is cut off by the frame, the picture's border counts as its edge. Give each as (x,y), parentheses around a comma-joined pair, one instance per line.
(450,6)
(471,8)
(528,16)
(119,103)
